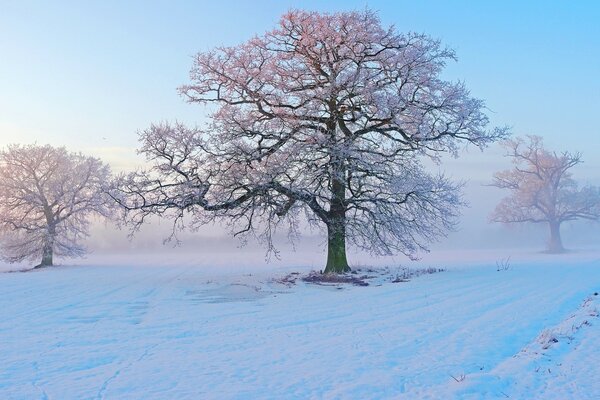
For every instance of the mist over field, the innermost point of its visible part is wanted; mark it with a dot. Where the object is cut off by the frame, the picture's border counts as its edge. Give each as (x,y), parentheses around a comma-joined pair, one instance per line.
(474,233)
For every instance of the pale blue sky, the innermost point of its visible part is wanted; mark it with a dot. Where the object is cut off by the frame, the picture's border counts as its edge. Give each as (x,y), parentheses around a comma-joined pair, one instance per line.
(89,74)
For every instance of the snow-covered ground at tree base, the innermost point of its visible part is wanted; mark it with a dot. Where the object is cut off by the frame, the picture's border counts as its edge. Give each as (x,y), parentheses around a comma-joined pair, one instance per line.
(150,327)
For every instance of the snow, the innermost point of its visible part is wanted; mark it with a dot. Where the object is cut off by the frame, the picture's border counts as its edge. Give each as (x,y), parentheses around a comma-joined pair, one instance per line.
(548,361)
(157,328)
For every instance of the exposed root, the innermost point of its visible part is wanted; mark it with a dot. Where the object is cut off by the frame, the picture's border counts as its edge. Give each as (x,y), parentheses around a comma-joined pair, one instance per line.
(357,277)
(319,279)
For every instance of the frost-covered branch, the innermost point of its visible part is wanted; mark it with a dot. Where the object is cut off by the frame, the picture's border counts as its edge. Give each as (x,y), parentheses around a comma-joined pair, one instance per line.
(543,190)
(46,198)
(327,116)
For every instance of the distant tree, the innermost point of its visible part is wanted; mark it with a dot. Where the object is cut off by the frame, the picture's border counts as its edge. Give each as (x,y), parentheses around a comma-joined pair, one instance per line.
(327,116)
(47,195)
(543,190)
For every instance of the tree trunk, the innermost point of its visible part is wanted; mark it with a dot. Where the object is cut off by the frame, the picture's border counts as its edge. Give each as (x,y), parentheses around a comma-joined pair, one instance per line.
(336,225)
(336,218)
(47,251)
(336,248)
(555,244)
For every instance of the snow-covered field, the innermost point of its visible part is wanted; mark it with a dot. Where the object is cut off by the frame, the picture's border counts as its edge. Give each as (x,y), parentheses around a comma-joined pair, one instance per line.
(175,330)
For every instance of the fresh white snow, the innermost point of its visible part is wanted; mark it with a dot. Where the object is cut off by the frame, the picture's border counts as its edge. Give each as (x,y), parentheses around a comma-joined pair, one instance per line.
(177,329)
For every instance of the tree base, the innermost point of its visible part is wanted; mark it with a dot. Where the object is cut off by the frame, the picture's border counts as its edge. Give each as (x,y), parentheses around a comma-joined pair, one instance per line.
(335,279)
(336,269)
(337,263)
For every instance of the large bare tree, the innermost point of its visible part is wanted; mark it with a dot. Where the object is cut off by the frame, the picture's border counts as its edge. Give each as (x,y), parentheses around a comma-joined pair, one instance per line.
(47,195)
(543,189)
(327,116)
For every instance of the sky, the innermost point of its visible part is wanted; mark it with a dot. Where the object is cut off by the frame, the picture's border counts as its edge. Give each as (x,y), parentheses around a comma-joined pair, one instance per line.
(90,74)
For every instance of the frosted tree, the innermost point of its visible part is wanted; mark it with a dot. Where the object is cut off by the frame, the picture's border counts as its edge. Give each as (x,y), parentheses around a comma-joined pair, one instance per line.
(543,189)
(328,116)
(47,196)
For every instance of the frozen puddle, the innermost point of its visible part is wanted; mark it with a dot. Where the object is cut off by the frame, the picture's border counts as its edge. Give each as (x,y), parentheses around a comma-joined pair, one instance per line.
(231,293)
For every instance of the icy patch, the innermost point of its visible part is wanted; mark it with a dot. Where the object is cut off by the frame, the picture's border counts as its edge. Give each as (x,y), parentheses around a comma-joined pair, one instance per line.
(235,292)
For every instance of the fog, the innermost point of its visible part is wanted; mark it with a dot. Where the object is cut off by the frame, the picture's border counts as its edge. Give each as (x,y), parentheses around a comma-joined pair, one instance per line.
(213,244)
(475,235)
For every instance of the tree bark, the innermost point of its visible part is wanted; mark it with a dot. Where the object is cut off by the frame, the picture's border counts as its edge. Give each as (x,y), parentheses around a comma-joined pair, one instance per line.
(555,244)
(337,262)
(47,251)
